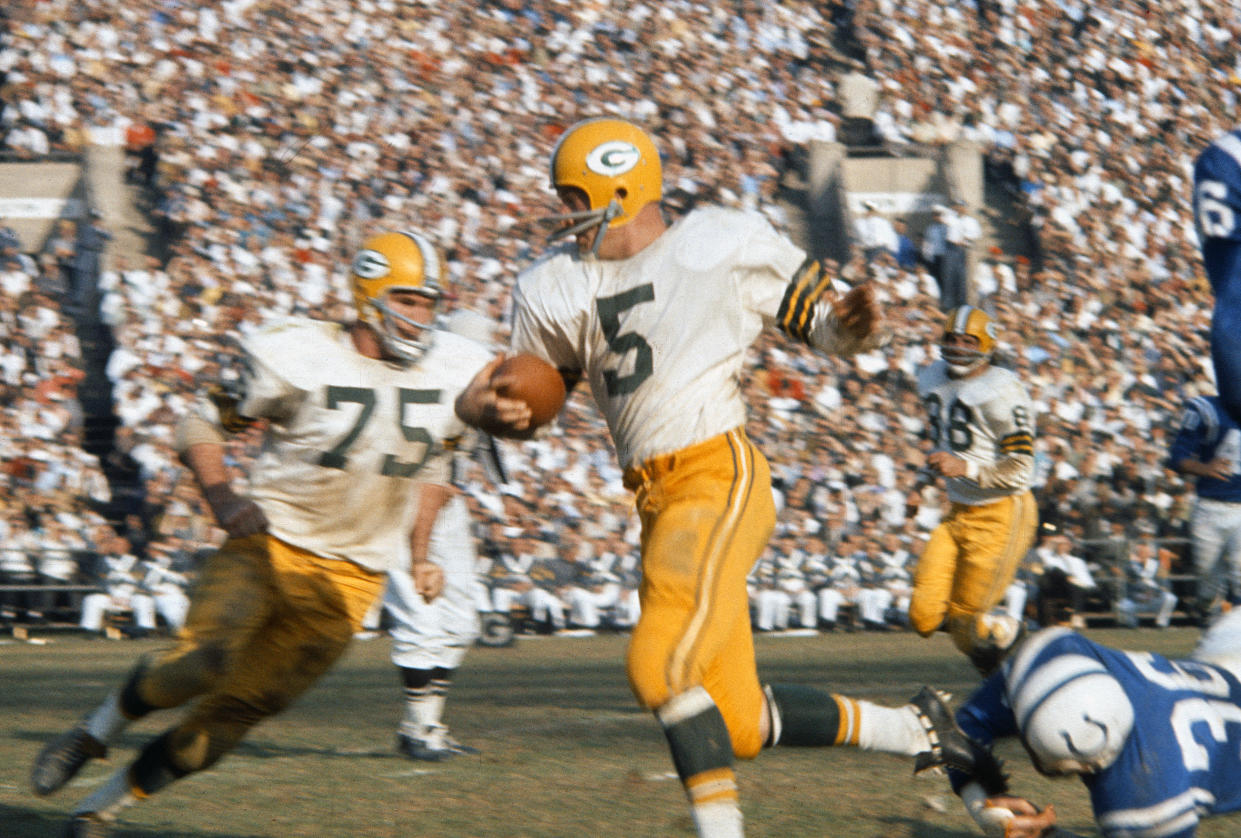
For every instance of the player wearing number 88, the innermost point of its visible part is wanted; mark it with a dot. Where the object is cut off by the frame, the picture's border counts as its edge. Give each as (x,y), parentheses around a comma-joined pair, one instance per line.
(658,318)
(1217,213)
(982,432)
(350,480)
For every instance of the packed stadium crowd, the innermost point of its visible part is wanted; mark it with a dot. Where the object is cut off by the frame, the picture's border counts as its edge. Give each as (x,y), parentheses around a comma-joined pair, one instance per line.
(278,135)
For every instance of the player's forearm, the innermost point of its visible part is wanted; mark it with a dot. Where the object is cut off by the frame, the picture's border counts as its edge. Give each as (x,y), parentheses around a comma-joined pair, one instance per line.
(1012,472)
(1193,467)
(431,499)
(206,461)
(237,515)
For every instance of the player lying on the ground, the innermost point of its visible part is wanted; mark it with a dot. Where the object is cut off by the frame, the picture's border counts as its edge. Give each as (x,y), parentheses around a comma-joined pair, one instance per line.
(1156,741)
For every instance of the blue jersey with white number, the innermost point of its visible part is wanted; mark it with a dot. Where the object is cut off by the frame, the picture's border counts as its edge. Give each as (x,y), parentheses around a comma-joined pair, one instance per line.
(1217,211)
(1207,432)
(1182,761)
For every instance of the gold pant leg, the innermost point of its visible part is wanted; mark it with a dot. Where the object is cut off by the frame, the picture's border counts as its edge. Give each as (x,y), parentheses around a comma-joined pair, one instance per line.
(707,514)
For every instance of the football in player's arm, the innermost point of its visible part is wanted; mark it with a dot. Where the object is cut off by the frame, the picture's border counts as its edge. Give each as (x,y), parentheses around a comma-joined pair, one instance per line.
(1217,214)
(353,453)
(658,318)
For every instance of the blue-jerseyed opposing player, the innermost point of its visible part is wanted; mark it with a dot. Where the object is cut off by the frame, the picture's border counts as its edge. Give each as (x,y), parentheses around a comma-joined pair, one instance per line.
(1157,742)
(1217,212)
(1208,446)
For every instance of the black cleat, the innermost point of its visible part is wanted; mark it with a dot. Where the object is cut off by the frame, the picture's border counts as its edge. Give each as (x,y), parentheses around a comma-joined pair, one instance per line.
(87,825)
(949,744)
(62,758)
(951,747)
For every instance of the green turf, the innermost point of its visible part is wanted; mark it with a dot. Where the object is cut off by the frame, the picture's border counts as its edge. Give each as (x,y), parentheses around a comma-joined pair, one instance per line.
(565,751)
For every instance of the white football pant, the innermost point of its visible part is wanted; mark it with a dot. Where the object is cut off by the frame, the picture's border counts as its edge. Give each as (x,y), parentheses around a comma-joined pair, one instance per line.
(438,633)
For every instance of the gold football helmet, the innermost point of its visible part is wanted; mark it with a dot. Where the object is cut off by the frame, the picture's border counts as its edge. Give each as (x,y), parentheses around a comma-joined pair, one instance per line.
(388,262)
(967,320)
(615,163)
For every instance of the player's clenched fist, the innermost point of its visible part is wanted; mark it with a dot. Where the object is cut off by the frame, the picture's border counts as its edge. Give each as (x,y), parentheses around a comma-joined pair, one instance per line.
(428,579)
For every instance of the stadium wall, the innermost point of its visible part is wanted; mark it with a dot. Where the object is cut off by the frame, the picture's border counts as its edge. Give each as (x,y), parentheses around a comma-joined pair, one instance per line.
(907,186)
(33,195)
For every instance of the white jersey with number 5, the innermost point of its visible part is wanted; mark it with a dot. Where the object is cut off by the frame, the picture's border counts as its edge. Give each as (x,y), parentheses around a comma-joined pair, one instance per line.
(661,337)
(349,435)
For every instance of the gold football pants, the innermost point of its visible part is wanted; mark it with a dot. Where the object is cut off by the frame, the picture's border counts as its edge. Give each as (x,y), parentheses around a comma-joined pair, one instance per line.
(266,620)
(707,513)
(968,563)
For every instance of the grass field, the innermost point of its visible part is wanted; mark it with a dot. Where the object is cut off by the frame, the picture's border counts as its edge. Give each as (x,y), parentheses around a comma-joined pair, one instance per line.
(565,751)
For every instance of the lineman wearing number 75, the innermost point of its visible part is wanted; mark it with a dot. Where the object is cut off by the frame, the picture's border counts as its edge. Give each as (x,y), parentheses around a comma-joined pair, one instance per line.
(350,479)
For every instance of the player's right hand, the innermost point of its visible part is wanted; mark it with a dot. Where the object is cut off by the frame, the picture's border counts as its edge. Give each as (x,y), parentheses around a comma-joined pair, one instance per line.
(428,579)
(859,318)
(481,405)
(1220,468)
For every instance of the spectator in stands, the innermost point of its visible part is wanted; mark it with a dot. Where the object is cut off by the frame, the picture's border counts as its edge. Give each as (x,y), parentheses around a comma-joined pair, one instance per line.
(961,230)
(28,140)
(1102,185)
(1145,588)
(17,567)
(91,238)
(60,248)
(874,233)
(10,242)
(934,248)
(120,576)
(905,252)
(1066,582)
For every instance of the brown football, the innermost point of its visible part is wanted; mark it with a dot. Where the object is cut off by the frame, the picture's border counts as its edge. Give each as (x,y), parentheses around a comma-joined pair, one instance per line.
(535,382)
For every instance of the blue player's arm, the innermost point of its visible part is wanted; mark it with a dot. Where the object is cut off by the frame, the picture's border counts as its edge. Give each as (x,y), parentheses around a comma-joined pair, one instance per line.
(1217,212)
(984,717)
(1187,445)
(1226,350)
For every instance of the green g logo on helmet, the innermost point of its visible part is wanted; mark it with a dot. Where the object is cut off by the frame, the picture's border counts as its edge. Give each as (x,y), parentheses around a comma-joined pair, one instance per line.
(613,158)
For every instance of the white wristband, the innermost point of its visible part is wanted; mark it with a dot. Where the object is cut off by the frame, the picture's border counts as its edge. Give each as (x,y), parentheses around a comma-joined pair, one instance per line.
(993,820)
